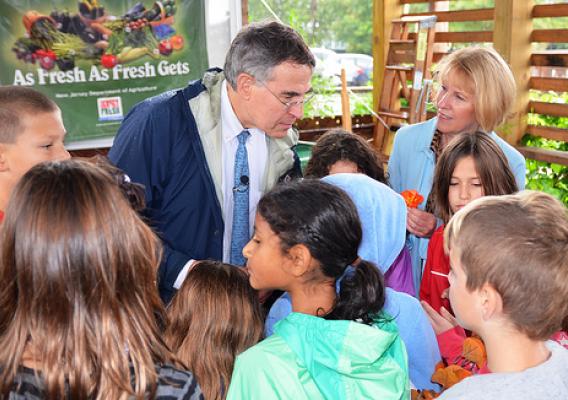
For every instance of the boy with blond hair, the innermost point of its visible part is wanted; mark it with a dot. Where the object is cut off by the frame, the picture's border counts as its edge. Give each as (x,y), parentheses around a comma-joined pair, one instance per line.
(31,131)
(509,284)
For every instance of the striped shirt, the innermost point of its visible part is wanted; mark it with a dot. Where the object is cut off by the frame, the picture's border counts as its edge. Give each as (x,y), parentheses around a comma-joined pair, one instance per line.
(173,384)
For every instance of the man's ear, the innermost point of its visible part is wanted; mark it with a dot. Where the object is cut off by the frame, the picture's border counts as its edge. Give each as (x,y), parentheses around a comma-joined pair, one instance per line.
(245,84)
(490,301)
(3,159)
(300,260)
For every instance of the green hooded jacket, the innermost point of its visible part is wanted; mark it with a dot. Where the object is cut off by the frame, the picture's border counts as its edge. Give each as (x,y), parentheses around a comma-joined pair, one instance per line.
(312,358)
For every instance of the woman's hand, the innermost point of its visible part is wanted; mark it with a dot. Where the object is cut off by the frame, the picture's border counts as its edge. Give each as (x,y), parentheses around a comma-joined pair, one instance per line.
(420,223)
(441,322)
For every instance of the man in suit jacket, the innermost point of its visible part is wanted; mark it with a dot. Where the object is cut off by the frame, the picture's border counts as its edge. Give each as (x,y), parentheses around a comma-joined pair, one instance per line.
(182,145)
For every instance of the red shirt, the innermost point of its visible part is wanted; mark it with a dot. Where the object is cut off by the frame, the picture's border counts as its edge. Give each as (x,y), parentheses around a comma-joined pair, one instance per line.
(450,343)
(433,285)
(561,338)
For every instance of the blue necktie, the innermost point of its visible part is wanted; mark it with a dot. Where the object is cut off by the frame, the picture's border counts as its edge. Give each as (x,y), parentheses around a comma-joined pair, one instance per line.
(240,235)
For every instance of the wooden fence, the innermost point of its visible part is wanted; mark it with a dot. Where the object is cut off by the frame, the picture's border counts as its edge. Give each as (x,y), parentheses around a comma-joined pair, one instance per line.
(513,35)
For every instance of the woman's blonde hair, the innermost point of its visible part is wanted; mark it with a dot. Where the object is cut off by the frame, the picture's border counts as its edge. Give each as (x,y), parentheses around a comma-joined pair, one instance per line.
(213,317)
(492,81)
(78,293)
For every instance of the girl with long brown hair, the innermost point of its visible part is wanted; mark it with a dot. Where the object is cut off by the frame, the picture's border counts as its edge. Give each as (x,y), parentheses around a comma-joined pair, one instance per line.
(213,317)
(471,166)
(79,307)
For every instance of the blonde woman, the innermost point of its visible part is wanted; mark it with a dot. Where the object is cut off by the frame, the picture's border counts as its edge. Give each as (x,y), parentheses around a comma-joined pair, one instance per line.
(476,92)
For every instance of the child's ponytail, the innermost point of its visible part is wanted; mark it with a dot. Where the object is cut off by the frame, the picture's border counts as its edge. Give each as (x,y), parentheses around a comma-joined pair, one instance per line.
(323,218)
(361,293)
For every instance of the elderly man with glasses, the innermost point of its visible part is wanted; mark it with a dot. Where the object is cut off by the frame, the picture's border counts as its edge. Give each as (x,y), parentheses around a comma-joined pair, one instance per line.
(207,153)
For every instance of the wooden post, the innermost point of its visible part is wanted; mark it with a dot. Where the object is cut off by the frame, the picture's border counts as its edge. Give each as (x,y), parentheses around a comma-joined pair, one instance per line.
(384,11)
(511,38)
(345,107)
(441,26)
(245,12)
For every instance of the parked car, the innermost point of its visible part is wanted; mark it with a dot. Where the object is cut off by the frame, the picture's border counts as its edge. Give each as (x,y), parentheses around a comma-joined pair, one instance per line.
(322,54)
(325,63)
(358,67)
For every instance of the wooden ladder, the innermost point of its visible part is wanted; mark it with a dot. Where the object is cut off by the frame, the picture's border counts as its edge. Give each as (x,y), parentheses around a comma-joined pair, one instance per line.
(409,58)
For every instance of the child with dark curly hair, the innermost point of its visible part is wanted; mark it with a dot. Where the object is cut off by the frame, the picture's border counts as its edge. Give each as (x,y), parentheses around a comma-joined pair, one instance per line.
(339,151)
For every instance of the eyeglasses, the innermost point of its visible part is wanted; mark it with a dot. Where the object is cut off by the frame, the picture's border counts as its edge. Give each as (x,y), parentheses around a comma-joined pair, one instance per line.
(290,104)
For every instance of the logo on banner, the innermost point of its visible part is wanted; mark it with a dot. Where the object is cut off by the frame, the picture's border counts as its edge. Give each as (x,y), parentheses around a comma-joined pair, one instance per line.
(110,108)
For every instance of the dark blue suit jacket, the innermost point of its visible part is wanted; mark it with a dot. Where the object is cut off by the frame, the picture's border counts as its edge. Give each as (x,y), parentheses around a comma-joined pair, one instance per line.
(158,145)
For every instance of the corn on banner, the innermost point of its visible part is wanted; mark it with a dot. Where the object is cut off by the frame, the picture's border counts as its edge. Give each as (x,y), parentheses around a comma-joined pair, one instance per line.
(97,58)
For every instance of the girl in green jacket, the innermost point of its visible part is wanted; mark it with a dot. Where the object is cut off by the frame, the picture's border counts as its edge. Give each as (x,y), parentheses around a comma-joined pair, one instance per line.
(337,344)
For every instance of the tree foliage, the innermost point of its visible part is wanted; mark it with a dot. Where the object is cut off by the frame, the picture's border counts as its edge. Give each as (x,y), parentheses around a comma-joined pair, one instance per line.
(340,24)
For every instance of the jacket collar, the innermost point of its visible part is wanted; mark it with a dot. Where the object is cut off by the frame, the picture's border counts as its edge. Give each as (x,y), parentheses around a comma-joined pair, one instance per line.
(206,109)
(425,140)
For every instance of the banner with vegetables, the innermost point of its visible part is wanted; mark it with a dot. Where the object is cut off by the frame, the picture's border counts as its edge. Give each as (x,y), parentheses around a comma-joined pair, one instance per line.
(97,58)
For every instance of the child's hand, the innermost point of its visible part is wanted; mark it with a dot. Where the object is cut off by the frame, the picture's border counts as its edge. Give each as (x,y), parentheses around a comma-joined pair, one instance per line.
(420,223)
(442,321)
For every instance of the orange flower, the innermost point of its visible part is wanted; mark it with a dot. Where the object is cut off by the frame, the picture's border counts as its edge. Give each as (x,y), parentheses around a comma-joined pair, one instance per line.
(449,376)
(412,198)
(474,350)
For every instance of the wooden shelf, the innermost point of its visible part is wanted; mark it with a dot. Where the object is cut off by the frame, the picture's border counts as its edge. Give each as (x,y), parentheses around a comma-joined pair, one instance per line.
(548,132)
(552,156)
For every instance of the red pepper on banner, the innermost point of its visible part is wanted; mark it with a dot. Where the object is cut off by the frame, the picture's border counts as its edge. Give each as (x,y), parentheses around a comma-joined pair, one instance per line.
(46,58)
(109,60)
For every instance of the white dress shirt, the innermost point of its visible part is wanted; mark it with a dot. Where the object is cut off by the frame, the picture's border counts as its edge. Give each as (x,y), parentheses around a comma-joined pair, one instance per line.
(257,152)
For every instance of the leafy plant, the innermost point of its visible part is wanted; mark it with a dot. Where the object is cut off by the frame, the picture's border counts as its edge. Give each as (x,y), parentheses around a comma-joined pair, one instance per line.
(547,177)
(361,103)
(327,100)
(322,103)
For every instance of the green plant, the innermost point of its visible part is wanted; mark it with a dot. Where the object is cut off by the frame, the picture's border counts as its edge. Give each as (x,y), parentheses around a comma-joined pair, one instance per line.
(361,103)
(547,177)
(327,100)
(322,103)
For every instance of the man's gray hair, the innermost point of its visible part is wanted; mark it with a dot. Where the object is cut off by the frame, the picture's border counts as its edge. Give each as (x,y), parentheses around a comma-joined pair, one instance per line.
(259,47)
